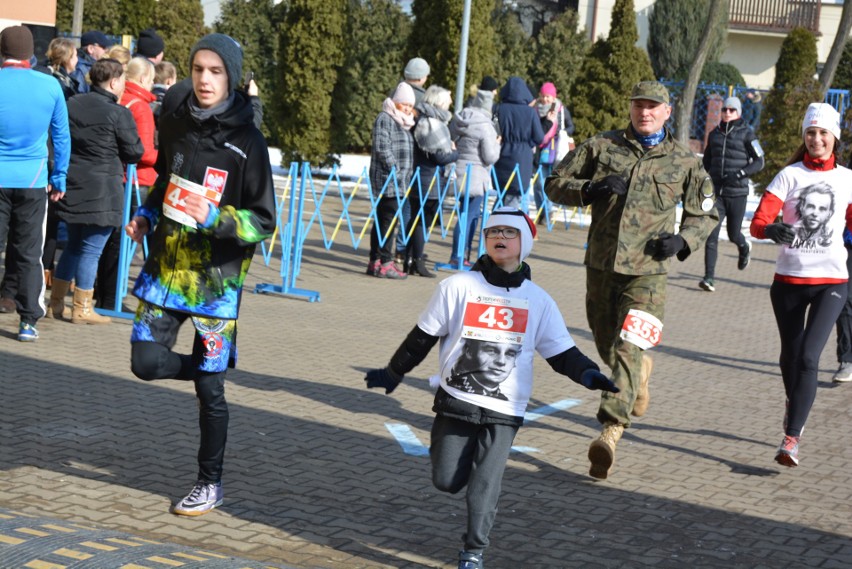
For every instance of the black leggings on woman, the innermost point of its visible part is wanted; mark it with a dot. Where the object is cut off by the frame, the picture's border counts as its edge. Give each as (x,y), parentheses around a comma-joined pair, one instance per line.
(805,315)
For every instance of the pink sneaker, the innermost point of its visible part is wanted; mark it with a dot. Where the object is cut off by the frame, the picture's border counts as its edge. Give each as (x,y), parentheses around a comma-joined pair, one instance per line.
(788,452)
(389,271)
(374,267)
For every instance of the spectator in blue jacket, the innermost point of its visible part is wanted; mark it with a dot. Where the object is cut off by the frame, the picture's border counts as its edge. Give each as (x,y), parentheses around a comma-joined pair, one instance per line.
(31,107)
(520,129)
(93,45)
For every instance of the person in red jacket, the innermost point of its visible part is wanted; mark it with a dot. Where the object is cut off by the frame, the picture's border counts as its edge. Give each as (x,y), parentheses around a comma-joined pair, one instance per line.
(138,98)
(813,193)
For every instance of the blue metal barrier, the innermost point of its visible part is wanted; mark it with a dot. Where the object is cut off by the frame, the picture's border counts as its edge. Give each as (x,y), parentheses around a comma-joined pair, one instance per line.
(127,247)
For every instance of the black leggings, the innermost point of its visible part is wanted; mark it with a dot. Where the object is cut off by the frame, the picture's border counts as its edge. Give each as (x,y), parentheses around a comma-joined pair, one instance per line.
(732,209)
(150,360)
(805,315)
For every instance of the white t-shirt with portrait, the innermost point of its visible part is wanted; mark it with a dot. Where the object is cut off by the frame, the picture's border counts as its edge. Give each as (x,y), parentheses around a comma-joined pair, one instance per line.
(815,205)
(505,326)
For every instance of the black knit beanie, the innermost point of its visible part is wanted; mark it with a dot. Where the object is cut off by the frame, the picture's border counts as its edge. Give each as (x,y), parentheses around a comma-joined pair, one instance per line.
(229,50)
(149,44)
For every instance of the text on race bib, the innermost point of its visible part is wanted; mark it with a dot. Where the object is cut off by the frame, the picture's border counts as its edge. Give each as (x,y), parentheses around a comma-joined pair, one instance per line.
(495,319)
(641,329)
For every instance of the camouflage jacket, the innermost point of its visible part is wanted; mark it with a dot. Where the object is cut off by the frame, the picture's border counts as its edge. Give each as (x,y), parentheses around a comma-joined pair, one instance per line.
(658,179)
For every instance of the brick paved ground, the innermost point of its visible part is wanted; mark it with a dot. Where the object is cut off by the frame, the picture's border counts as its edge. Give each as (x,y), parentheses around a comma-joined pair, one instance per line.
(314,479)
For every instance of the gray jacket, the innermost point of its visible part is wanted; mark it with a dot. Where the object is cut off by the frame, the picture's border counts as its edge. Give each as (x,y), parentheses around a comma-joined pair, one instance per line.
(476,144)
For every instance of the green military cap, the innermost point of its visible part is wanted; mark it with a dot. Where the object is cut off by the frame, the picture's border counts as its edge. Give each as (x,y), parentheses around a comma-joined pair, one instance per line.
(650,90)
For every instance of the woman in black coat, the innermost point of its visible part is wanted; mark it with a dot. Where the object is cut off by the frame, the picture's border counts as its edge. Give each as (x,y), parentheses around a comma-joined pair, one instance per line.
(103,139)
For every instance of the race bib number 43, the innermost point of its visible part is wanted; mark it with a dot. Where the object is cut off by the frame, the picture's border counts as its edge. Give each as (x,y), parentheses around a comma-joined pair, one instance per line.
(641,329)
(174,202)
(495,319)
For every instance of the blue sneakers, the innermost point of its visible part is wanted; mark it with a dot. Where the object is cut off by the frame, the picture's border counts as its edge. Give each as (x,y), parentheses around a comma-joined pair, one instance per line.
(27,333)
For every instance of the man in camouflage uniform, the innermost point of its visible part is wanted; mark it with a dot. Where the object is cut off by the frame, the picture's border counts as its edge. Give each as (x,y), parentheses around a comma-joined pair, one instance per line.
(633,179)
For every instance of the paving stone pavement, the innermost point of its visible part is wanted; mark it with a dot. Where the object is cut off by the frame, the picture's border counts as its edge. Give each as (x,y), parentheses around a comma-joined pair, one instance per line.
(315,479)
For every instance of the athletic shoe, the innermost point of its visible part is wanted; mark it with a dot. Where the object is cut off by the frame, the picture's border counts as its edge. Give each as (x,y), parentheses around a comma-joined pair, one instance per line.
(27,333)
(707,284)
(468,560)
(389,271)
(202,499)
(373,268)
(844,374)
(745,256)
(788,452)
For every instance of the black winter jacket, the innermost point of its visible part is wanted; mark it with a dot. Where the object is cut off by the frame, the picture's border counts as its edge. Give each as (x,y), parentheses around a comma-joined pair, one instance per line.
(103,139)
(732,155)
(201,270)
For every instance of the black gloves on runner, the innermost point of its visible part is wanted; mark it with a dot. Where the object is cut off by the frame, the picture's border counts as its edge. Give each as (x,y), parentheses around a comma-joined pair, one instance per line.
(593,379)
(780,233)
(605,187)
(667,245)
(384,377)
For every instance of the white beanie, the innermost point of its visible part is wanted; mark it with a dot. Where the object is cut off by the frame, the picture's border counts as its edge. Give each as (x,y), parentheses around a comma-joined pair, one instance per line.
(403,94)
(511,217)
(822,115)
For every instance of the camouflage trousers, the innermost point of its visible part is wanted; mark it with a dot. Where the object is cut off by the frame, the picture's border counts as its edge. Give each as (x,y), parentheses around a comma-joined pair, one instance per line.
(609,298)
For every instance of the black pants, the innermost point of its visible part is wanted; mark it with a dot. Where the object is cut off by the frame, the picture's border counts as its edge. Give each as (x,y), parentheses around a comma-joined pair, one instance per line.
(805,315)
(732,208)
(844,321)
(22,221)
(107,279)
(153,360)
(472,455)
(385,211)
(414,250)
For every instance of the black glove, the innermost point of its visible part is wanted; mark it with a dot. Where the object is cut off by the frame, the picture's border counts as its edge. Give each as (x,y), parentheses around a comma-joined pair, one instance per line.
(667,245)
(780,233)
(593,379)
(732,177)
(384,377)
(606,186)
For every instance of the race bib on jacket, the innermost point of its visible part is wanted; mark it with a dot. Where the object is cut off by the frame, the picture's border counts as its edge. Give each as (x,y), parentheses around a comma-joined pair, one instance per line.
(174,202)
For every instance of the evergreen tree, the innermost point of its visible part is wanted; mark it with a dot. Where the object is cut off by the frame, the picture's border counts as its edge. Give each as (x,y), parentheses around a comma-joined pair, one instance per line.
(436,37)
(560,50)
(180,23)
(601,93)
(136,15)
(376,37)
(103,15)
(310,53)
(513,53)
(253,23)
(674,31)
(795,88)
(716,73)
(842,78)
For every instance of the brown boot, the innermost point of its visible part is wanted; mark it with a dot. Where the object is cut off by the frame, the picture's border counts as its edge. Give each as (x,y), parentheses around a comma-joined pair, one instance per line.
(84,309)
(602,450)
(56,308)
(643,398)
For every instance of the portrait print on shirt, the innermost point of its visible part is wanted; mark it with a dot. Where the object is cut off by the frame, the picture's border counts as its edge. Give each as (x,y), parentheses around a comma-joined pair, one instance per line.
(482,366)
(491,341)
(815,207)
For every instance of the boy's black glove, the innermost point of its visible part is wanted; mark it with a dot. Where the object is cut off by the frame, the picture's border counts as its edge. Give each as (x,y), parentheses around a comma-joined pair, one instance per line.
(593,379)
(384,377)
(667,245)
(606,186)
(780,233)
